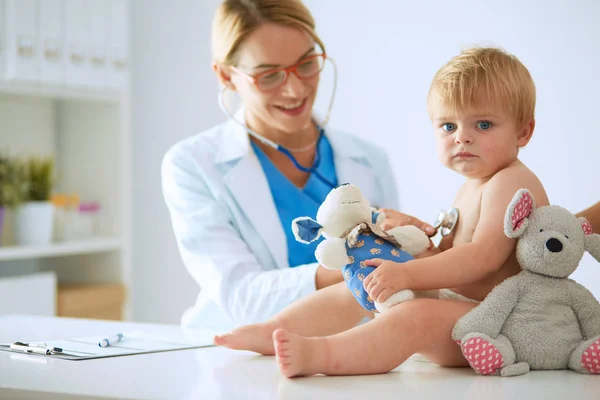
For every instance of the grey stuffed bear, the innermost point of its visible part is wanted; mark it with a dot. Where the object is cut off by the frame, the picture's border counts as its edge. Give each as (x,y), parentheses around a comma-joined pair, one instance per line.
(538,319)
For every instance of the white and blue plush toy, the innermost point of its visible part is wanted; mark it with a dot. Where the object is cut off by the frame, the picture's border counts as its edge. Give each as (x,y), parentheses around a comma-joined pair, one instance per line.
(352,235)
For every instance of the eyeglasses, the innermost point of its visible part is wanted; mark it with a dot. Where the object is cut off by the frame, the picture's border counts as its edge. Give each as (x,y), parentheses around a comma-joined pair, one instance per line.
(275,78)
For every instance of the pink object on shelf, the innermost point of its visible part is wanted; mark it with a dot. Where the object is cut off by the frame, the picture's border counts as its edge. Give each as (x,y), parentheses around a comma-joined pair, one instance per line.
(89,207)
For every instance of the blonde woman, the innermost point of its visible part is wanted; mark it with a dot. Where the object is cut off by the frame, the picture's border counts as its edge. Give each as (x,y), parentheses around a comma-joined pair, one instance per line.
(232,196)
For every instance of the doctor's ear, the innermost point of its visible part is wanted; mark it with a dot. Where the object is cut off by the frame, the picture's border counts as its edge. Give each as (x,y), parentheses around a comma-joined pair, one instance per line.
(223,75)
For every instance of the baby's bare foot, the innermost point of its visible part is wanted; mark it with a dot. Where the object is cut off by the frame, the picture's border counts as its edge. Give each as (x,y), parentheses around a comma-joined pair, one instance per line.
(256,337)
(296,355)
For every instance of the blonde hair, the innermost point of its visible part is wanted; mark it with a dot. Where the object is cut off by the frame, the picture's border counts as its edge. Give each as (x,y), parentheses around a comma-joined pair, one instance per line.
(236,19)
(486,73)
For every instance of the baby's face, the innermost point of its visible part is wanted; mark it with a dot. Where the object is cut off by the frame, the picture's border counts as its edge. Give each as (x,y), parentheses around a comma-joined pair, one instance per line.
(475,143)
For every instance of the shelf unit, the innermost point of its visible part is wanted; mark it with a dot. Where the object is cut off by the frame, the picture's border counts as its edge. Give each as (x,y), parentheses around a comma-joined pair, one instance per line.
(57,92)
(88,134)
(86,246)
(84,125)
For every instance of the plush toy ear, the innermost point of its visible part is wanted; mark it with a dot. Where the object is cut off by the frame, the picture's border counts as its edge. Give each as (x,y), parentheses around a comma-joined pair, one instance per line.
(517,214)
(377,217)
(306,229)
(591,240)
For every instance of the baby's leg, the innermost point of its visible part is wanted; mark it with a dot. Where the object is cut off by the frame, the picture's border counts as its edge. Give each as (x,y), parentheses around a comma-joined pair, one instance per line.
(326,312)
(417,326)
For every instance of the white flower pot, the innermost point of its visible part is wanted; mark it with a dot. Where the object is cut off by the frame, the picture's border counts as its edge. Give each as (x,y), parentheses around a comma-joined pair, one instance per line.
(34,223)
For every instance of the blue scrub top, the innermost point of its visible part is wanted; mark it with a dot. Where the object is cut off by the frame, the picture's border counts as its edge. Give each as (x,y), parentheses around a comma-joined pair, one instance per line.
(292,202)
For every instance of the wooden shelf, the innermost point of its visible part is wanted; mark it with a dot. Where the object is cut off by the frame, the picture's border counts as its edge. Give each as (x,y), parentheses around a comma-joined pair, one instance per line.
(60,92)
(94,245)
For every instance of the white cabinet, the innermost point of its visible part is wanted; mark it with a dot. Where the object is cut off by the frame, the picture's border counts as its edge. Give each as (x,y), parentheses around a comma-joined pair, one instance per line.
(118,59)
(80,44)
(22,40)
(51,23)
(77,44)
(16,294)
(97,18)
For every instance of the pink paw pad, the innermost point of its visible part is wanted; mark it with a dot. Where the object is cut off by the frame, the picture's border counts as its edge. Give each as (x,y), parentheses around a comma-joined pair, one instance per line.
(590,359)
(483,357)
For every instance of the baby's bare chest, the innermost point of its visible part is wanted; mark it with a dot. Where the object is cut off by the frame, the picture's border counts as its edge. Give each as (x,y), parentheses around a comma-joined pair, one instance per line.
(469,207)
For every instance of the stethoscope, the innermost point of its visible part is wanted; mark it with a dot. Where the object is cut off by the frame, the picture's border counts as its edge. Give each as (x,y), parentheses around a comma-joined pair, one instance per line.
(312,169)
(446,221)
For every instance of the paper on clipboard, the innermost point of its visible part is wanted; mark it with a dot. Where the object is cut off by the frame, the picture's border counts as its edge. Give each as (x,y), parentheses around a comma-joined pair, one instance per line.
(135,342)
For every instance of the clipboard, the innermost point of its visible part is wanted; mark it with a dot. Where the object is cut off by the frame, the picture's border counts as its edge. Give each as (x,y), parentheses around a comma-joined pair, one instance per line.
(133,343)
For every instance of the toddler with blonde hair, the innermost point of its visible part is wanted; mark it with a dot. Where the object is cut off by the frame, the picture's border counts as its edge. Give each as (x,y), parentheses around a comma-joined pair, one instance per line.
(481,104)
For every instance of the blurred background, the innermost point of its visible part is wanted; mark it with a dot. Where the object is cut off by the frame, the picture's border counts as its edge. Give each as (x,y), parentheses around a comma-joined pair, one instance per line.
(94,92)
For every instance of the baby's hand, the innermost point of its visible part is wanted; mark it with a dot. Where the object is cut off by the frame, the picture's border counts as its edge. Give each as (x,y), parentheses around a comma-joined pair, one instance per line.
(387,279)
(395,218)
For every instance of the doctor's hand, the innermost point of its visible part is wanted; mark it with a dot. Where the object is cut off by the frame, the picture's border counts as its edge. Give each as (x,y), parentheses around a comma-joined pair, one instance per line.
(387,278)
(327,277)
(396,218)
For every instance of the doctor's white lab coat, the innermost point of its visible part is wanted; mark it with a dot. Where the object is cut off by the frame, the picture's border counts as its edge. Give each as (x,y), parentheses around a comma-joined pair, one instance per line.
(228,230)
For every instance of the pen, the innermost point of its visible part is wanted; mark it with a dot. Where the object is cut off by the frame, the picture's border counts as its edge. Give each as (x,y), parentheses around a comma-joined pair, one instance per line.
(111,340)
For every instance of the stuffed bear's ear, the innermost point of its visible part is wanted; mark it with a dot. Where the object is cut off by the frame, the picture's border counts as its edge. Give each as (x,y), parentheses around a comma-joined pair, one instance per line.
(377,217)
(517,214)
(306,229)
(591,240)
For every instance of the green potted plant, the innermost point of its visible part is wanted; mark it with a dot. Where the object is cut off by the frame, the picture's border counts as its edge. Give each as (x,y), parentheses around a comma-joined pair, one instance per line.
(12,186)
(35,216)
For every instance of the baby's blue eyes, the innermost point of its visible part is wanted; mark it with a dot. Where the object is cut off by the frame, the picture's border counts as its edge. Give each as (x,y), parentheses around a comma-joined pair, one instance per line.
(484,125)
(449,127)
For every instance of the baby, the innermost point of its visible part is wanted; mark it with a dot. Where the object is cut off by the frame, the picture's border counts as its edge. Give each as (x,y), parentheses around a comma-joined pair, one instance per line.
(481,104)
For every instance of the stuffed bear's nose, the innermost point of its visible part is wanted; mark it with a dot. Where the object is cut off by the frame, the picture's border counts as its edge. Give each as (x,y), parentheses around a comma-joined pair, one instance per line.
(554,245)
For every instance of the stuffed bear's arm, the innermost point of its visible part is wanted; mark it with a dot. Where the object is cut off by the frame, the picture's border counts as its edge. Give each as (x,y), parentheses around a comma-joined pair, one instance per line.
(586,308)
(331,253)
(489,316)
(412,239)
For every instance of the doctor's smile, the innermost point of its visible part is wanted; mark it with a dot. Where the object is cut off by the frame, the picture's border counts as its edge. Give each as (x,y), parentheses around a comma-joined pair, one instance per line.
(293,109)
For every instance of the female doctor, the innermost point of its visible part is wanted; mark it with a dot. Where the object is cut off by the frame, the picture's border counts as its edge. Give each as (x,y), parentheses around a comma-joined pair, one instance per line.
(233,190)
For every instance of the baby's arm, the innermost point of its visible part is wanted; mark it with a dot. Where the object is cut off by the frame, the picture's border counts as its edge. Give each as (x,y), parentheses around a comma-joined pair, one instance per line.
(489,248)
(586,308)
(432,251)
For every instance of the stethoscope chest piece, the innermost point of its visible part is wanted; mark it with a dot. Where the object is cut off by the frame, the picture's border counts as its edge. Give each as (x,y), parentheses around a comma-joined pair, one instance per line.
(446,220)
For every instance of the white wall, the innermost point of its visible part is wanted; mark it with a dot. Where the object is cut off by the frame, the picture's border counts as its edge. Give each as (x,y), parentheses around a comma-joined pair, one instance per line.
(387,54)
(173,97)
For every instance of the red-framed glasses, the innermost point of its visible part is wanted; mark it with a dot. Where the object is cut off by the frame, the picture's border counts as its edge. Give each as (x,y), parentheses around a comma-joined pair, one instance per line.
(275,78)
